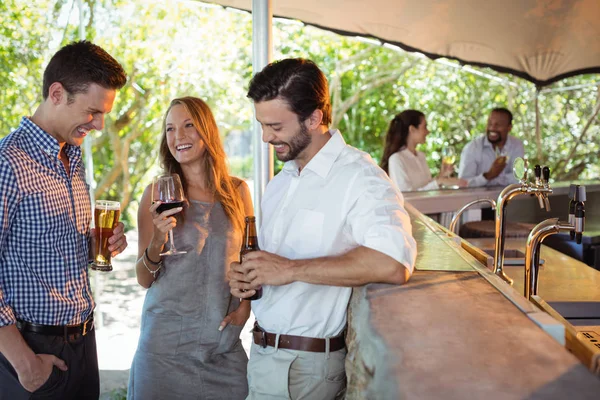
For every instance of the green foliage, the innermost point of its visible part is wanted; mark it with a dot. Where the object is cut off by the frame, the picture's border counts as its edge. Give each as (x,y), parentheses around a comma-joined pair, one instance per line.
(370,84)
(118,394)
(241,167)
(23,41)
(177,48)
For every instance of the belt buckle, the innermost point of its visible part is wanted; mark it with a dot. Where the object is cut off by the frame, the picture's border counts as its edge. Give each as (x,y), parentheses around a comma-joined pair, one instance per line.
(85,328)
(263,339)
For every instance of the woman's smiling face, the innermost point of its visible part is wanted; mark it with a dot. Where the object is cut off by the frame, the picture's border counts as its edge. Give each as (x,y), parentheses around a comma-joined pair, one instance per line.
(183,139)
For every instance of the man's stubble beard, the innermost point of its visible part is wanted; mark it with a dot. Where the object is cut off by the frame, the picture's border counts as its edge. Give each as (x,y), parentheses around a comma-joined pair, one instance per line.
(299,142)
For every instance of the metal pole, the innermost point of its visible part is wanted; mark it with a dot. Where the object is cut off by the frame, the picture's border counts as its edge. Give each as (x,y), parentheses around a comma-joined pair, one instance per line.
(262,44)
(538,133)
(88,159)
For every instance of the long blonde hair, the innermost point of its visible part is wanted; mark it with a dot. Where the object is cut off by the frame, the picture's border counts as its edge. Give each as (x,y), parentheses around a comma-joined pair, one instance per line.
(218,180)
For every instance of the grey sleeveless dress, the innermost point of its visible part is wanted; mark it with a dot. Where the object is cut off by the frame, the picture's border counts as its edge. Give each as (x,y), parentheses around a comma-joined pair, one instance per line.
(181,354)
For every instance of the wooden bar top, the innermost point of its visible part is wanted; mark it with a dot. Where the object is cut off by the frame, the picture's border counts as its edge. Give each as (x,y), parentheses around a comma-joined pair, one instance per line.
(453,332)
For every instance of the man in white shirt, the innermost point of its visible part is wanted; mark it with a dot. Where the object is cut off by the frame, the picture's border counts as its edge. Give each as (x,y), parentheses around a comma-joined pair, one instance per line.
(332,220)
(487,160)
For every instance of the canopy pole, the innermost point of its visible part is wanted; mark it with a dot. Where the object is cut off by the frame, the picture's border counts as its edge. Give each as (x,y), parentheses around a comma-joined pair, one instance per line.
(88,158)
(262,44)
(538,133)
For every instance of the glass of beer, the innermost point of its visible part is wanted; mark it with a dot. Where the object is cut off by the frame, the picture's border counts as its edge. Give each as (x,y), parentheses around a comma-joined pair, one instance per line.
(106,218)
(448,160)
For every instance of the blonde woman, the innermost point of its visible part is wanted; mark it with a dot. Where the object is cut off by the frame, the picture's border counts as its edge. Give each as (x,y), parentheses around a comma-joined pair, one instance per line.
(189,343)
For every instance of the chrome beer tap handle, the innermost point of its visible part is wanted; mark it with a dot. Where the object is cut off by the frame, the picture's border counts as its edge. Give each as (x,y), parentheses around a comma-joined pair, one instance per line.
(550,227)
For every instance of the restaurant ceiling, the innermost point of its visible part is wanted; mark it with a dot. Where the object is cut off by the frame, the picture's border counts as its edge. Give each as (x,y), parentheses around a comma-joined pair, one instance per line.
(542,41)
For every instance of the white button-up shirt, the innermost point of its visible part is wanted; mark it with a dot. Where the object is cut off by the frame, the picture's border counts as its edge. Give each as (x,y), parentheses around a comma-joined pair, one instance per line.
(478,156)
(339,201)
(410,171)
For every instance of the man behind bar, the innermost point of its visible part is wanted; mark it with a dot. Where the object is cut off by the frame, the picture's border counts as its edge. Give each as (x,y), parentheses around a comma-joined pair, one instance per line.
(487,160)
(47,339)
(332,220)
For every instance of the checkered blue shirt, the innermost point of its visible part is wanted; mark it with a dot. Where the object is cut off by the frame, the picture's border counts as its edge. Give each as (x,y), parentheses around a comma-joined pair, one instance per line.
(44,231)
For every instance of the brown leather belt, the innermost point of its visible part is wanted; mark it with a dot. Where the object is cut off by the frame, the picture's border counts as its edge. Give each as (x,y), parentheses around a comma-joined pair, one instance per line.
(302,343)
(57,330)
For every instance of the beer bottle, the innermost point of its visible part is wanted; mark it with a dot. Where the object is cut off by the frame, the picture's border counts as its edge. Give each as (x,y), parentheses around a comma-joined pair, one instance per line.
(250,243)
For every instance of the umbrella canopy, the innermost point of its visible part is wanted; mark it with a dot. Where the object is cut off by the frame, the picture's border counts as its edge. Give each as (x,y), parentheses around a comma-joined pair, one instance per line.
(542,41)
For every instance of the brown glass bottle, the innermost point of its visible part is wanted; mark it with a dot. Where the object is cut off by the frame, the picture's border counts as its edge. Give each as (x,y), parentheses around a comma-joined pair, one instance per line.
(250,243)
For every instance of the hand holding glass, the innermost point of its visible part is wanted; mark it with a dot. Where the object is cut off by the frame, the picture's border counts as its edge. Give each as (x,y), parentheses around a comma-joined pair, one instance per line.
(168,190)
(501,153)
(106,218)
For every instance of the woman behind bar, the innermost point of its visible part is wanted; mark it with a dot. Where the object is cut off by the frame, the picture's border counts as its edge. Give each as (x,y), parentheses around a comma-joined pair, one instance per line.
(407,166)
(189,344)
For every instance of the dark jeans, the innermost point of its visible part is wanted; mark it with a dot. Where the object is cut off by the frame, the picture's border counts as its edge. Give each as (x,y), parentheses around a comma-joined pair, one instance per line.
(80,381)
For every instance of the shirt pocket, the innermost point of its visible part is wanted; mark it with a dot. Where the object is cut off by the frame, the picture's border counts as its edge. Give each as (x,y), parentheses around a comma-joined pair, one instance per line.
(306,232)
(161,333)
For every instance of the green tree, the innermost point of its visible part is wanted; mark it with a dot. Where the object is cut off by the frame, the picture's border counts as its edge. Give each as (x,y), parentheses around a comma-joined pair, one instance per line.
(177,48)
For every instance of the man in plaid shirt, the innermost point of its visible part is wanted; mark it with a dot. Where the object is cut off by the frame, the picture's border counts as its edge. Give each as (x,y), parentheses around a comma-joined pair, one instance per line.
(47,341)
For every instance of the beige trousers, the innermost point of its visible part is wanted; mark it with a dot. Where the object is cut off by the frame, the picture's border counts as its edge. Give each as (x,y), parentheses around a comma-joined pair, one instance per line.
(277,374)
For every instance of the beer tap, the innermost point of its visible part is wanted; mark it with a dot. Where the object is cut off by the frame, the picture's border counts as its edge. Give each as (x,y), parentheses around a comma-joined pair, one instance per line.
(574,226)
(572,202)
(456,218)
(540,188)
(542,176)
(580,199)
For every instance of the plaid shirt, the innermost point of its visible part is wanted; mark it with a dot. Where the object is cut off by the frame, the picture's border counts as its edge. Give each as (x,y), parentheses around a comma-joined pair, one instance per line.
(44,231)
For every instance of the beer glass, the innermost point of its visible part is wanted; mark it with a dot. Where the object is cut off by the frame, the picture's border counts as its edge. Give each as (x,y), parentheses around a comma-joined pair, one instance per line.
(168,190)
(502,153)
(106,218)
(448,159)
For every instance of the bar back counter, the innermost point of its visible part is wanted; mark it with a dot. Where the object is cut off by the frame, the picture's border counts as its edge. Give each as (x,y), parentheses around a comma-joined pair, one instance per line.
(525,209)
(456,331)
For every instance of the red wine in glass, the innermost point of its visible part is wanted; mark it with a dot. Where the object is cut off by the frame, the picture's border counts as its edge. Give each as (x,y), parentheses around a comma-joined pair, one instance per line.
(169,206)
(169,191)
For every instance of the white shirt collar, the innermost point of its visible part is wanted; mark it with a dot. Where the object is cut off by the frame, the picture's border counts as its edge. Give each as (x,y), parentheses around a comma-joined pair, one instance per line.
(322,162)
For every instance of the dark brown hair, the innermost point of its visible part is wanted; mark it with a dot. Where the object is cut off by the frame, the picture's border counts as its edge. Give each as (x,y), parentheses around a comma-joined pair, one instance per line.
(297,81)
(397,133)
(79,64)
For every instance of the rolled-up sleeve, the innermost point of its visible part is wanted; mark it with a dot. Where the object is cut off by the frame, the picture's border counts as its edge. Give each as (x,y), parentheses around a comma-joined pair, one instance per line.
(8,207)
(378,220)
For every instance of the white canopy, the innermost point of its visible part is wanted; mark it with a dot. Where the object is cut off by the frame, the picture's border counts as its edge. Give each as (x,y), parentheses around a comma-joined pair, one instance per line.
(542,41)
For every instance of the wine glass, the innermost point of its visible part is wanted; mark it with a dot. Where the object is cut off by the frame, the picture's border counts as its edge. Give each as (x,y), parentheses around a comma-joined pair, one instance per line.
(448,160)
(168,190)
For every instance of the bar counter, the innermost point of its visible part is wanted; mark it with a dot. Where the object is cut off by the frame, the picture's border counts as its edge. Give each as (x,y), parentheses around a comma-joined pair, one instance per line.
(455,331)
(450,200)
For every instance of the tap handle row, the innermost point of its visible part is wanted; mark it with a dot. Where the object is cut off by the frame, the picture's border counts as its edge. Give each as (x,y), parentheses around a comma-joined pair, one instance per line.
(572,190)
(542,175)
(579,221)
(577,194)
(537,171)
(580,194)
(545,175)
